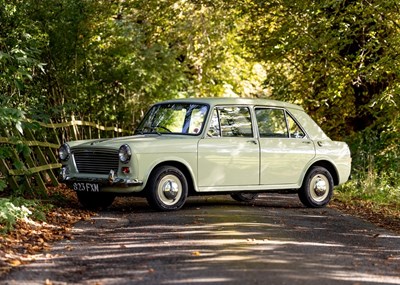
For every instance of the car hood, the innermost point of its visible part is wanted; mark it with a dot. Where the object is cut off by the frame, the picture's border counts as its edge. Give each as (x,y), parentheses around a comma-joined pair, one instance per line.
(138,143)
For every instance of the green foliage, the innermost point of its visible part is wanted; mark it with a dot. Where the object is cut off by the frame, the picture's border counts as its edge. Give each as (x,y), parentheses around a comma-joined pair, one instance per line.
(107,61)
(20,47)
(12,210)
(16,208)
(339,59)
(380,149)
(382,190)
(10,118)
(110,60)
(3,184)
(375,173)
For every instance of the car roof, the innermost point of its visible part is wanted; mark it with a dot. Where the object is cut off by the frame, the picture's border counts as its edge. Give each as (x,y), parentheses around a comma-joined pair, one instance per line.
(215,101)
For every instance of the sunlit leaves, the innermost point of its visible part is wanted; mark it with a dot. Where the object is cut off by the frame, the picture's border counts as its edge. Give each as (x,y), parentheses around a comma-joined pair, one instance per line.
(11,213)
(20,41)
(110,60)
(337,58)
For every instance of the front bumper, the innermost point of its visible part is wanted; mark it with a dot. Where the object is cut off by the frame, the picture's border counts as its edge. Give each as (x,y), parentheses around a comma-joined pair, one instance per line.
(111,180)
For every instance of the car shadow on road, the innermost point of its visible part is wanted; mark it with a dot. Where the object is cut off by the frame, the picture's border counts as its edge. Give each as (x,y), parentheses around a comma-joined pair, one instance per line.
(215,240)
(264,200)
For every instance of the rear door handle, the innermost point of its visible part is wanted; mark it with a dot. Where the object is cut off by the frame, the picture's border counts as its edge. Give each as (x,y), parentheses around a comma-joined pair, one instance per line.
(252,141)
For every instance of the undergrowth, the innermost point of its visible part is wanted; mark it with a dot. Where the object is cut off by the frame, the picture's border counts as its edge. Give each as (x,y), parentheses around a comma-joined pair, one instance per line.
(13,209)
(375,179)
(378,190)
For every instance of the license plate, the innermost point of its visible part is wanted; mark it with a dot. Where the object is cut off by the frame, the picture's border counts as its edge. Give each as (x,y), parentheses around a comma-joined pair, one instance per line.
(86,187)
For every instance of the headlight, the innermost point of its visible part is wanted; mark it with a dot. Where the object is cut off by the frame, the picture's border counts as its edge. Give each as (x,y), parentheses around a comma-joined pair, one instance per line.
(125,153)
(64,152)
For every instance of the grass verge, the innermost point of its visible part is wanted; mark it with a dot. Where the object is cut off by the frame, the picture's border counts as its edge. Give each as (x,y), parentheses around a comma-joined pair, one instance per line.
(371,198)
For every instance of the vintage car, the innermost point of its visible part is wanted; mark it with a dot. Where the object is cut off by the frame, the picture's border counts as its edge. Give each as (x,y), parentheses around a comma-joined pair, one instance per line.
(184,147)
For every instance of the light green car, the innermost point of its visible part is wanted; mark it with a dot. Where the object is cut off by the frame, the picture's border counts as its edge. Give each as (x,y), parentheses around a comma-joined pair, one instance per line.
(234,146)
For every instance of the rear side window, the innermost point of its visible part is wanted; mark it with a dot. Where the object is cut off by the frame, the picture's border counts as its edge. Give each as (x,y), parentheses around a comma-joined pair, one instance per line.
(271,123)
(231,122)
(277,123)
(294,129)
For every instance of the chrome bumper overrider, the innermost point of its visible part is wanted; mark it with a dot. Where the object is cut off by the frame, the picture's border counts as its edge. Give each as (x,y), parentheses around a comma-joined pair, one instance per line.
(112,180)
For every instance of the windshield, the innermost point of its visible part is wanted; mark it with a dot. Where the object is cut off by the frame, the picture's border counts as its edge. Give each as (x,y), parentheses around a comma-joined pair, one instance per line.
(174,118)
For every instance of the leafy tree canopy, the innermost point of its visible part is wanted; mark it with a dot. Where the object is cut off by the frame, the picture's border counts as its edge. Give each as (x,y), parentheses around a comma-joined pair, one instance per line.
(339,59)
(109,60)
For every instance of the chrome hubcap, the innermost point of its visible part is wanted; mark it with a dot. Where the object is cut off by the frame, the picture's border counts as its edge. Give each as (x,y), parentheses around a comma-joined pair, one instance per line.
(169,189)
(319,188)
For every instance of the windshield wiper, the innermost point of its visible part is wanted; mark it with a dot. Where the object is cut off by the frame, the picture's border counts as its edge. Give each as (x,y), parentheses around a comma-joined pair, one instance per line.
(164,128)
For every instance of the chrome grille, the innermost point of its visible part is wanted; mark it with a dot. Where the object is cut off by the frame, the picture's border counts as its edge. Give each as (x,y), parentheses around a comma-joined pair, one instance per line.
(96,161)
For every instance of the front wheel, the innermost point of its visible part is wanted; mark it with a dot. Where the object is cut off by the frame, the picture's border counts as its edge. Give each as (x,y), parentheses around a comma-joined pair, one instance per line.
(95,200)
(317,188)
(167,189)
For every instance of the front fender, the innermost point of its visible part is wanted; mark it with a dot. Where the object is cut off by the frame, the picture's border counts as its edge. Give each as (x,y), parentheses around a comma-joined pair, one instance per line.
(148,162)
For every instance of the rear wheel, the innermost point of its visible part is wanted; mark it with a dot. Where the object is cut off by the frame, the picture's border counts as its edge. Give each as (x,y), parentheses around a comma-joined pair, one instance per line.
(167,189)
(95,200)
(244,197)
(317,188)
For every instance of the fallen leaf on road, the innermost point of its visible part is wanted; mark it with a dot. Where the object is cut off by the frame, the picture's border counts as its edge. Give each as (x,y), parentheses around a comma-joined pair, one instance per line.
(14,262)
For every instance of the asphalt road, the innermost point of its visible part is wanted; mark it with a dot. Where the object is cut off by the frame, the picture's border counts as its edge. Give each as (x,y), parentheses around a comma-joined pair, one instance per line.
(216,240)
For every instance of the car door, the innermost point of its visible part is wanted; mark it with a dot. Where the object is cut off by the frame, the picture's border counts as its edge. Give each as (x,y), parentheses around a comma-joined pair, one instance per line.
(285,149)
(229,154)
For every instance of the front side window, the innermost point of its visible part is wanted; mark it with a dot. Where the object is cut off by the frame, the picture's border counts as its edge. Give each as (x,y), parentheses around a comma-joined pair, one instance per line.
(230,122)
(174,118)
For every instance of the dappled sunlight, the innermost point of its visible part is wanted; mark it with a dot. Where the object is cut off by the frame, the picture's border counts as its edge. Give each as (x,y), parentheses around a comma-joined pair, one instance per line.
(389,236)
(275,242)
(228,257)
(217,241)
(204,280)
(365,277)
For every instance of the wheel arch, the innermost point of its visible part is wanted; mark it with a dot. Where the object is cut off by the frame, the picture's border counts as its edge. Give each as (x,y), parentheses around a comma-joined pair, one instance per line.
(328,166)
(182,167)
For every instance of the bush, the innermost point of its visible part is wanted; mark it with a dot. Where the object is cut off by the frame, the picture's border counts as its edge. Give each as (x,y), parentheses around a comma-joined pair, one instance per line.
(375,169)
(10,212)
(15,208)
